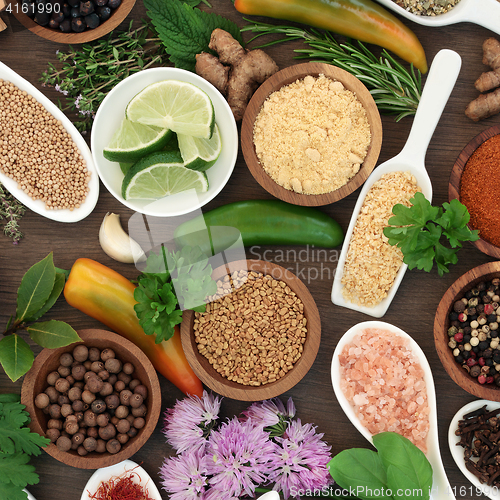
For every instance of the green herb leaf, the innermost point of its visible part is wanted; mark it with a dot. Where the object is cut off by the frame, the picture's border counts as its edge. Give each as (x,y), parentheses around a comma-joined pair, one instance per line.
(16,356)
(10,398)
(407,466)
(16,470)
(185,31)
(9,491)
(53,334)
(58,287)
(36,287)
(419,229)
(360,470)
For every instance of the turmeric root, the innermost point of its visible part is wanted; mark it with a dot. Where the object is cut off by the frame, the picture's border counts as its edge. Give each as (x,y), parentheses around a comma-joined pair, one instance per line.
(484,106)
(237,73)
(487,105)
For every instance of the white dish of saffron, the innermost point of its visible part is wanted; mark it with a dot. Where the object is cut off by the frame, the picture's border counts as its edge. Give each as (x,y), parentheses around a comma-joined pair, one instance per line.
(383,382)
(113,473)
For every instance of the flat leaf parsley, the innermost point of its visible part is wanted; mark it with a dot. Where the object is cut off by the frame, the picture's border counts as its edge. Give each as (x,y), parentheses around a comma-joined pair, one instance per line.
(419,230)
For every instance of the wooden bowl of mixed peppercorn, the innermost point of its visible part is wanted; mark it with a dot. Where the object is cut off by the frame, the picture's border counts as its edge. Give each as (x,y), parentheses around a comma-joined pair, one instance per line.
(467,331)
(475,181)
(71,21)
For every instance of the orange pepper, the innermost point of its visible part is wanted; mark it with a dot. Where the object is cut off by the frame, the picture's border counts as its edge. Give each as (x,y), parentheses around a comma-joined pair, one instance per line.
(108,297)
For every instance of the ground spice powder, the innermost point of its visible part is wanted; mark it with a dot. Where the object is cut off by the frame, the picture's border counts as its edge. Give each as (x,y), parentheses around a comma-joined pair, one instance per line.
(480,190)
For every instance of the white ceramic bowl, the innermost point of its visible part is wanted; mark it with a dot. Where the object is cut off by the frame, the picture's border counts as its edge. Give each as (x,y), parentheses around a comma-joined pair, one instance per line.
(38,206)
(457,452)
(106,473)
(112,111)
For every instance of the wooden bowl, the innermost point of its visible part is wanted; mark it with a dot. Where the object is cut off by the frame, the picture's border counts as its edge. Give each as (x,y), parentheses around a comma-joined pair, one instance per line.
(117,16)
(48,361)
(470,279)
(290,75)
(211,378)
(456,175)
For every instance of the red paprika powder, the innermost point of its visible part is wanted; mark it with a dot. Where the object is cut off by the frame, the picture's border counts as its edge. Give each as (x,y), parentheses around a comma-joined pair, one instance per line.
(480,190)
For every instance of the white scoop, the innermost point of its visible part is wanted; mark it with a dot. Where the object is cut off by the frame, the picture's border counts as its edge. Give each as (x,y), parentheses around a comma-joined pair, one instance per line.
(457,452)
(483,12)
(441,489)
(440,82)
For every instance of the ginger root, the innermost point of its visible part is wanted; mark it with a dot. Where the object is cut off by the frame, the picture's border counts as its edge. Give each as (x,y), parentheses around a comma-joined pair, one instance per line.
(488,104)
(236,72)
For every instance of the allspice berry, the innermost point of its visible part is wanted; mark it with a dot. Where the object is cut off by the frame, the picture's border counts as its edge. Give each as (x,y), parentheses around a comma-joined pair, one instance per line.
(63,443)
(42,400)
(81,353)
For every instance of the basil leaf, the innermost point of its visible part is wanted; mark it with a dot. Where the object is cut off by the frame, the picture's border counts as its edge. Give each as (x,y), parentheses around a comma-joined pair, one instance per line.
(407,466)
(361,472)
(35,289)
(59,282)
(53,334)
(16,356)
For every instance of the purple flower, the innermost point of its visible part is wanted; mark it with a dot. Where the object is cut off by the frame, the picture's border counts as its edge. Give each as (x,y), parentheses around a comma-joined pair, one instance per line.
(189,422)
(240,459)
(272,415)
(59,89)
(300,460)
(184,477)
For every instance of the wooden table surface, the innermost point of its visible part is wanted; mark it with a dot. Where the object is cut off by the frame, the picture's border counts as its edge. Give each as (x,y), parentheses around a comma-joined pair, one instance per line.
(413,308)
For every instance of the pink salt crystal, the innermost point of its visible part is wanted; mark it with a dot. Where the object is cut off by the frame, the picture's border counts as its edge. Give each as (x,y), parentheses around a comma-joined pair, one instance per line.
(385,383)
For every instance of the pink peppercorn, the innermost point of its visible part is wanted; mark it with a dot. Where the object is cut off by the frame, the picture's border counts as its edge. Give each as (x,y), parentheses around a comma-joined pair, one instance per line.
(462,317)
(481,379)
(459,336)
(488,309)
(471,362)
(473,354)
(490,380)
(481,361)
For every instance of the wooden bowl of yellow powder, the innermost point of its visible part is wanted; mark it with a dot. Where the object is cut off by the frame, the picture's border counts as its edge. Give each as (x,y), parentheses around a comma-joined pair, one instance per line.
(311,134)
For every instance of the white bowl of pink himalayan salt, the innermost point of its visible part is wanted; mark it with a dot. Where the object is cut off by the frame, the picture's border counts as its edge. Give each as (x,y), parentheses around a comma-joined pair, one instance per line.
(383,382)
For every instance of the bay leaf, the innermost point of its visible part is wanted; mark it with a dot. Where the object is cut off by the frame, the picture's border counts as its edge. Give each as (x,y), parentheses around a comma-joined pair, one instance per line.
(53,334)
(16,356)
(58,287)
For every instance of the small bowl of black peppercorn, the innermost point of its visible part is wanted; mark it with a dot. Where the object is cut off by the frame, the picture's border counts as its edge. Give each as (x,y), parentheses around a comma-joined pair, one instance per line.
(467,331)
(71,21)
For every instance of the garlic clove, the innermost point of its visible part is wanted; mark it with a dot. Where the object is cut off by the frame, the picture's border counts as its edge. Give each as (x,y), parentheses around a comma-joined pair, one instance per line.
(116,243)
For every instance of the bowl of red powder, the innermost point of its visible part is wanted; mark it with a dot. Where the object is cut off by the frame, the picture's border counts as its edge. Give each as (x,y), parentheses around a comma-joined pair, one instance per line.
(383,382)
(475,182)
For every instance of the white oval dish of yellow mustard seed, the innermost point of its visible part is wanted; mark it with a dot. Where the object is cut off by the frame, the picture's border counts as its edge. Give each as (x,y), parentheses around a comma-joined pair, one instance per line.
(104,474)
(441,489)
(483,12)
(30,496)
(438,86)
(38,206)
(112,111)
(457,452)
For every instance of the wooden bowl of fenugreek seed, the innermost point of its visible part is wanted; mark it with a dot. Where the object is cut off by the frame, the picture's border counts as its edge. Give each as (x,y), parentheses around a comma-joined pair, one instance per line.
(259,335)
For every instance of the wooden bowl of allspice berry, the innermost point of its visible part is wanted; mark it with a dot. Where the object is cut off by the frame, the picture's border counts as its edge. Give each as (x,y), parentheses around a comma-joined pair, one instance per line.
(97,400)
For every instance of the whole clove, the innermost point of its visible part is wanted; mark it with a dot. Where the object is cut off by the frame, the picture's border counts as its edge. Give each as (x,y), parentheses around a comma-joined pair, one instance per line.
(479,433)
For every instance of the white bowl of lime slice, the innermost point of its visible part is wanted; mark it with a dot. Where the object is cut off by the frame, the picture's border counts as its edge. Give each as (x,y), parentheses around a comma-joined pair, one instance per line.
(109,119)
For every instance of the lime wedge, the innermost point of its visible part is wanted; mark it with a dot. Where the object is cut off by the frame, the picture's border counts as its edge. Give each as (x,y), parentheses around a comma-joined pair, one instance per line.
(179,106)
(200,154)
(125,167)
(134,140)
(161,174)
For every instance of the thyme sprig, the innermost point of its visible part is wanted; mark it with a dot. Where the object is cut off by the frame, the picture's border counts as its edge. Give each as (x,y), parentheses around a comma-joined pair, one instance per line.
(11,211)
(395,89)
(91,71)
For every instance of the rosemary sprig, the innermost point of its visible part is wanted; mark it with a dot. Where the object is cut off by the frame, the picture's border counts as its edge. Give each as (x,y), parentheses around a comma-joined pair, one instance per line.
(11,211)
(91,71)
(394,89)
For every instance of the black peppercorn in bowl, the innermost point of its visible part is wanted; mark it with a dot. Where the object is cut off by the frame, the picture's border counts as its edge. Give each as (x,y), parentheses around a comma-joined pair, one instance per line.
(467,331)
(98,400)
(71,21)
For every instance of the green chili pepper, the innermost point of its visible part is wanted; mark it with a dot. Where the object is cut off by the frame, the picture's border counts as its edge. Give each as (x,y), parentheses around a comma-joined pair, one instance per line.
(362,20)
(260,222)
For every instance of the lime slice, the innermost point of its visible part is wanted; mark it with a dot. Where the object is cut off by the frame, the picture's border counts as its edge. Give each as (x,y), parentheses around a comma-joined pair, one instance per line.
(134,140)
(200,154)
(161,174)
(179,106)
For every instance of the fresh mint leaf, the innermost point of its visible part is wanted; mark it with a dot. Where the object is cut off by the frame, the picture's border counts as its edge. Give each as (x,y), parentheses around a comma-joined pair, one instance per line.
(185,31)
(361,470)
(53,334)
(16,356)
(58,287)
(35,289)
(406,465)
(418,230)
